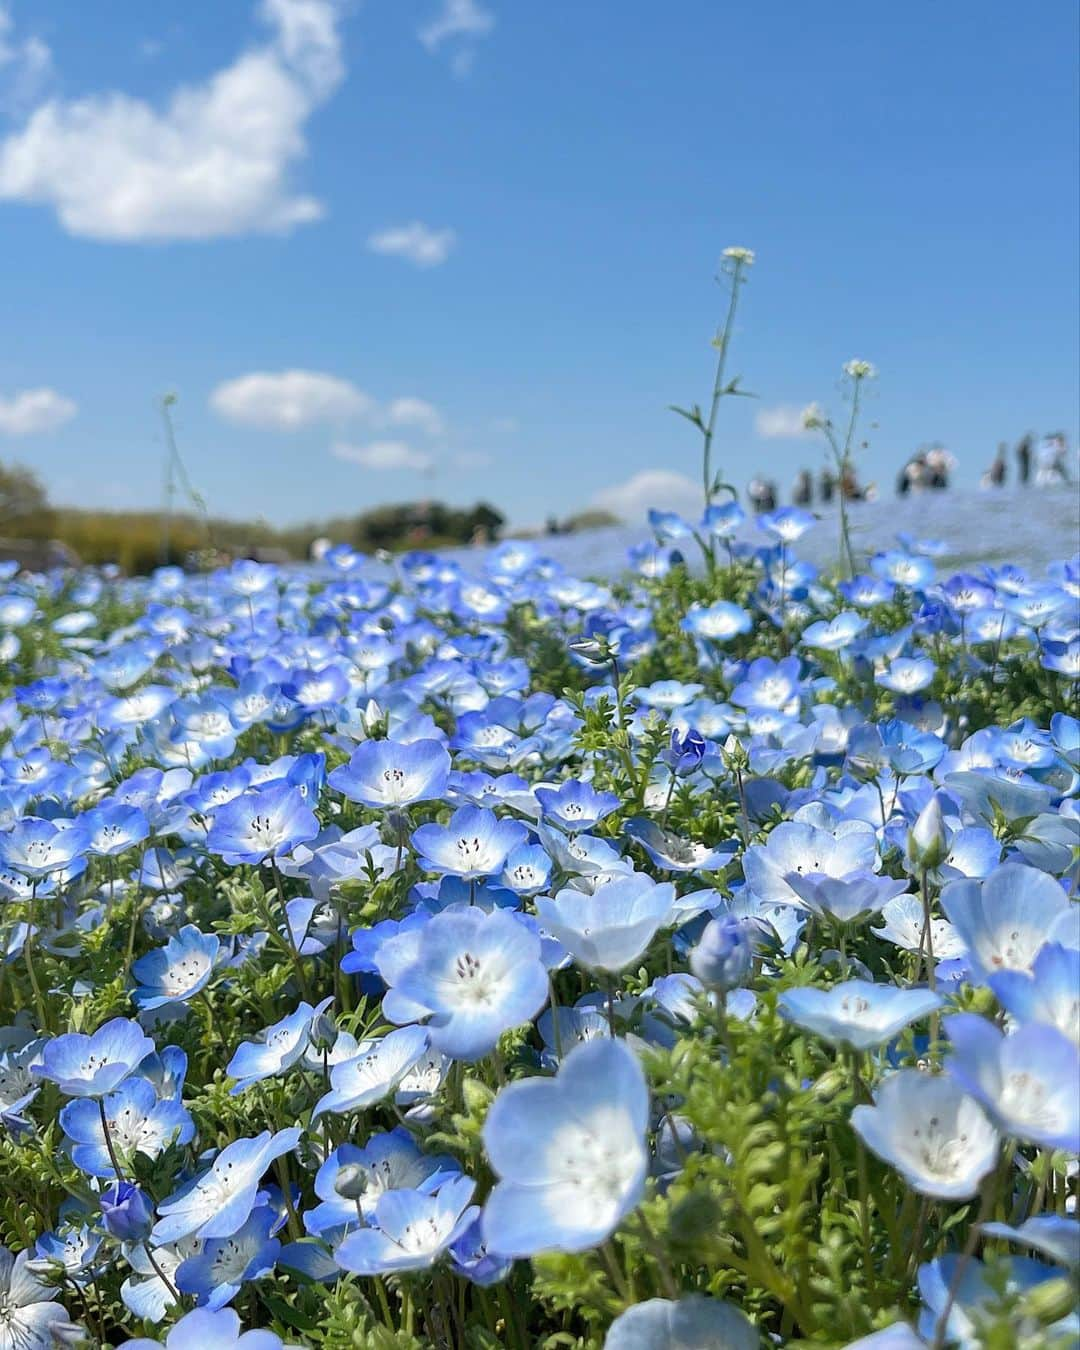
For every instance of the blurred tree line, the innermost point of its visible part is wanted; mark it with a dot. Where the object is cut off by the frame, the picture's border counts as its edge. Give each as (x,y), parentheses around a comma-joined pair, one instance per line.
(133,539)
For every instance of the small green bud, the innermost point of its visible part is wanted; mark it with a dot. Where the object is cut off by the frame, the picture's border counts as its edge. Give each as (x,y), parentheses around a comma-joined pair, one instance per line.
(1050,1301)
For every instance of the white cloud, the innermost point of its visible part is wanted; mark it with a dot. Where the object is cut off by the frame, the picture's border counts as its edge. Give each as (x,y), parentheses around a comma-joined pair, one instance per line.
(778,424)
(457,18)
(414,412)
(286,400)
(25,65)
(215,161)
(661,488)
(32,411)
(416,243)
(384,455)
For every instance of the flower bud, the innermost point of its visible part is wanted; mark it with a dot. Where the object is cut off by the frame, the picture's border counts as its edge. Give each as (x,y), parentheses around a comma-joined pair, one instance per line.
(723,957)
(351,1181)
(126,1212)
(685,752)
(926,843)
(1050,1300)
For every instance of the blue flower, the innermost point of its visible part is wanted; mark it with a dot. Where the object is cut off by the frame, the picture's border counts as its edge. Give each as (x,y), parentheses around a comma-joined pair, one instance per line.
(673,852)
(178,971)
(262,824)
(217,1202)
(799,848)
(475,975)
(205,1329)
(127,1212)
(352,1179)
(575,806)
(138,1120)
(471,1258)
(787,525)
(1029,1082)
(972,1294)
(936,1136)
(1049,994)
(857,1013)
(612,927)
(30,1313)
(374,1072)
(94,1066)
(475,844)
(409,1230)
(664,1324)
(278,1048)
(907,674)
(569,1153)
(686,749)
(216,1273)
(394,773)
(718,622)
(833,635)
(36,847)
(112,828)
(724,954)
(1005,920)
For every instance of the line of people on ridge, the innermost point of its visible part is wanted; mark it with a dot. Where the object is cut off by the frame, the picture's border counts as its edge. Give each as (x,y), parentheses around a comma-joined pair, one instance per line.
(763,494)
(1051,462)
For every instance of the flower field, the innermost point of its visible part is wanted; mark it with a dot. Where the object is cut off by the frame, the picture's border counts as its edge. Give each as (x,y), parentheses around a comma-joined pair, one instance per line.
(407,959)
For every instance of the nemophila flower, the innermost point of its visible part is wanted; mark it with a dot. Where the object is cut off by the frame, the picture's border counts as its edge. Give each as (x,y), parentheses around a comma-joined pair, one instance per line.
(773,686)
(178,971)
(139,1121)
(114,828)
(278,1048)
(833,635)
(262,824)
(674,853)
(612,927)
(685,751)
(94,1066)
(384,774)
(902,569)
(1005,920)
(215,1274)
(893,744)
(575,806)
(787,525)
(964,1293)
(409,1230)
(718,622)
(374,1072)
(1051,1235)
(1050,994)
(474,975)
(205,1329)
(29,1313)
(71,1249)
(904,921)
(217,1202)
(474,844)
(352,1179)
(907,675)
(527,869)
(857,1012)
(36,848)
(724,954)
(1029,1082)
(471,1259)
(691,1321)
(799,848)
(845,899)
(127,1212)
(937,1137)
(569,1153)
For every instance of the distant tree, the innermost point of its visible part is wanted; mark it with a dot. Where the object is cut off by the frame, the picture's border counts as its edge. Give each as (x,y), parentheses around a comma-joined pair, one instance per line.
(24,503)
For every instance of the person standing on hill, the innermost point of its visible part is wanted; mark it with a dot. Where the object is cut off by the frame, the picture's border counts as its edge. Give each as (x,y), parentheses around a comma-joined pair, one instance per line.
(1023,461)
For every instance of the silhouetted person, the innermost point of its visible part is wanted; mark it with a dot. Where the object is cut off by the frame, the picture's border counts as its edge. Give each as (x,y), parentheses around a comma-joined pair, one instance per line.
(938,464)
(828,485)
(1023,460)
(802,494)
(996,475)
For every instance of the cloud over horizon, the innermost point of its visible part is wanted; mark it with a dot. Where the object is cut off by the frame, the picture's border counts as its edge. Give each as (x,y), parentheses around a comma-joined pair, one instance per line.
(384,456)
(660,488)
(781,423)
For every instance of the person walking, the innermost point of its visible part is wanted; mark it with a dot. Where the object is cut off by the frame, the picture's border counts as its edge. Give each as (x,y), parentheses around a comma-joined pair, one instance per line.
(802,494)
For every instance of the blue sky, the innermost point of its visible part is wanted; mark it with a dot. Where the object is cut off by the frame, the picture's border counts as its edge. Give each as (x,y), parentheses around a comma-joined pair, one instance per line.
(481,235)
